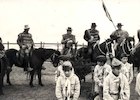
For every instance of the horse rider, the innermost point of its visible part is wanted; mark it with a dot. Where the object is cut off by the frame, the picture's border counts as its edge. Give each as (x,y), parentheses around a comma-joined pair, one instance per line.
(92,37)
(25,43)
(68,40)
(119,36)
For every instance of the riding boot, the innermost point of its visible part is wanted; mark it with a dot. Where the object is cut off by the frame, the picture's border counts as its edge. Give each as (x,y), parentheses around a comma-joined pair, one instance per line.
(27,65)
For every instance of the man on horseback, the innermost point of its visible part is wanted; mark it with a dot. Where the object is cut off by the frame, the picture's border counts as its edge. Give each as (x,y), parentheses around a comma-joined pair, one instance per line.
(25,43)
(68,40)
(92,37)
(119,36)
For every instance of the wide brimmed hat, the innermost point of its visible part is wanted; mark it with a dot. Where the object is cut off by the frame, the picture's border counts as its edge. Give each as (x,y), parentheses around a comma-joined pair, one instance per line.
(101,58)
(69,29)
(119,24)
(26,27)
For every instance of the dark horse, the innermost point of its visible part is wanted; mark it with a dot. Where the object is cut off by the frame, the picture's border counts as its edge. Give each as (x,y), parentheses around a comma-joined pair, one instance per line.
(3,69)
(83,63)
(101,49)
(37,59)
(125,47)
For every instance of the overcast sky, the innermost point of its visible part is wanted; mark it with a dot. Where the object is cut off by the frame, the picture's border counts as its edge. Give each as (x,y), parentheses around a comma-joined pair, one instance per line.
(49,19)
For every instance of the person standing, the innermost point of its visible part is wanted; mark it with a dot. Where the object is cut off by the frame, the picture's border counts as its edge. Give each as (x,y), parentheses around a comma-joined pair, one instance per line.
(116,86)
(67,85)
(26,43)
(102,69)
(127,68)
(137,87)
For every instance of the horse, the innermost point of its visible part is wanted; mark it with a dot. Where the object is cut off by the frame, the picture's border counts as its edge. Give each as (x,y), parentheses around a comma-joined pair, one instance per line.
(125,48)
(82,64)
(37,58)
(135,57)
(3,69)
(100,49)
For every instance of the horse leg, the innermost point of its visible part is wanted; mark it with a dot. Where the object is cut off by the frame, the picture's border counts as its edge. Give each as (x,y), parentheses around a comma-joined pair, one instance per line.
(39,78)
(1,90)
(8,78)
(31,80)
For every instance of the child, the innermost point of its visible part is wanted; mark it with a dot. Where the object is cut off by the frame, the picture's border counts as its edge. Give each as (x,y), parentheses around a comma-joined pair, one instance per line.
(67,85)
(116,86)
(127,68)
(137,88)
(100,72)
(59,71)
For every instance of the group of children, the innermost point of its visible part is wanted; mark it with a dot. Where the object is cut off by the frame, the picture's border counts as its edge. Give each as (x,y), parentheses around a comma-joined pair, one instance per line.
(112,81)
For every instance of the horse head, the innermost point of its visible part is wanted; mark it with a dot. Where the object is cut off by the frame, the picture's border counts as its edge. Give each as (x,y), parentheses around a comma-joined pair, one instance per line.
(55,58)
(105,47)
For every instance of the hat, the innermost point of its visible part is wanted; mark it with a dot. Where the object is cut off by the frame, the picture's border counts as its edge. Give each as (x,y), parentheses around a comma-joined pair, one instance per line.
(124,55)
(26,27)
(69,29)
(93,25)
(116,62)
(67,65)
(119,24)
(101,58)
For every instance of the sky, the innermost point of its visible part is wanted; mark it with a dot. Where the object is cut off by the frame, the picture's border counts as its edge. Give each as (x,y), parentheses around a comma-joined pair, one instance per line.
(49,19)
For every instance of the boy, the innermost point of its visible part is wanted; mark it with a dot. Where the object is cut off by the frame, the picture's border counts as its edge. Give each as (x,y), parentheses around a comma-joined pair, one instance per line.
(67,85)
(100,72)
(59,71)
(137,88)
(127,68)
(116,86)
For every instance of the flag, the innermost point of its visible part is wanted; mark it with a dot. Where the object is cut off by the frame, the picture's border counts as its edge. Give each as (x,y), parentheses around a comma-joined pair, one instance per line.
(106,11)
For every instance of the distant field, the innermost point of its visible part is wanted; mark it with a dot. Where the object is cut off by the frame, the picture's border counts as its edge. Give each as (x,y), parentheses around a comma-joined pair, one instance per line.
(21,90)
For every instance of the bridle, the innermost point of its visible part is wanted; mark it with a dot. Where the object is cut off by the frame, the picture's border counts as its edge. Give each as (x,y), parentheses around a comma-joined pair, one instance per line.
(127,45)
(107,48)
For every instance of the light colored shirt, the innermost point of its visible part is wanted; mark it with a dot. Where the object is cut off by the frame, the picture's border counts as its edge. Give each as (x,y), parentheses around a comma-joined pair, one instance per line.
(137,88)
(111,87)
(100,72)
(72,84)
(127,70)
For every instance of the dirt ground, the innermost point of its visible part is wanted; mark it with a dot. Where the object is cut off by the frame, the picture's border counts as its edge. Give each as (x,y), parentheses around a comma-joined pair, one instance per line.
(20,90)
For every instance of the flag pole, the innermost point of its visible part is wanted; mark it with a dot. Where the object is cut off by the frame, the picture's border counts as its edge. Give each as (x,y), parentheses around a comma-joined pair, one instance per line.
(107,14)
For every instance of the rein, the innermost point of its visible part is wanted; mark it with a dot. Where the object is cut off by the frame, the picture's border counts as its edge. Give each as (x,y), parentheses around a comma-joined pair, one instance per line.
(127,45)
(102,50)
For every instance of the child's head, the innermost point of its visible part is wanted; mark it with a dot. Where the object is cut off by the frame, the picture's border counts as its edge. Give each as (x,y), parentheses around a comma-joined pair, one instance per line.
(101,60)
(124,58)
(116,66)
(67,68)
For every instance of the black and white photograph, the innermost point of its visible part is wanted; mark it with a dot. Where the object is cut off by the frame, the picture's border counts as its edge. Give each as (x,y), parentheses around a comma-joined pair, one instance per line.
(69,50)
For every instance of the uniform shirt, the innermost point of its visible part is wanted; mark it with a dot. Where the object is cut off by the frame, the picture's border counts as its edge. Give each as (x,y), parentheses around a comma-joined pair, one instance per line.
(91,34)
(121,34)
(137,88)
(67,37)
(111,87)
(73,87)
(25,39)
(100,72)
(127,70)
